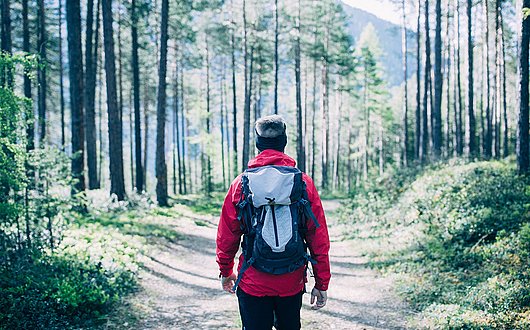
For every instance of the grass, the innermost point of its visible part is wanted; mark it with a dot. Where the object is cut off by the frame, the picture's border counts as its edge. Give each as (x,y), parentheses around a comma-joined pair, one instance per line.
(458,236)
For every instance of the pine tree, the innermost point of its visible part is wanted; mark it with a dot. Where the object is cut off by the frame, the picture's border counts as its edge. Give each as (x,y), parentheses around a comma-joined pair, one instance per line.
(117,185)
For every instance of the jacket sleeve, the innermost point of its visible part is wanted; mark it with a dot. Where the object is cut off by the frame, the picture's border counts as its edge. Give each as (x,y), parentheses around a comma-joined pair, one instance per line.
(228,231)
(318,238)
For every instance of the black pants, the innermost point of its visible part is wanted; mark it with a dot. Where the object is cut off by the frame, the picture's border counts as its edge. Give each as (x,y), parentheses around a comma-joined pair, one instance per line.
(259,313)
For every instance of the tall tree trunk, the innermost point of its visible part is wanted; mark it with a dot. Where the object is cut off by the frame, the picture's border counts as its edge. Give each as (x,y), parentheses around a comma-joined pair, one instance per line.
(208,172)
(367,122)
(438,83)
(246,120)
(174,130)
(90,99)
(313,119)
(404,51)
(61,76)
(161,167)
(41,72)
(300,141)
(234,103)
(30,129)
(276,27)
(458,115)
(222,122)
(488,135)
(6,43)
(325,123)
(136,99)
(523,159)
(498,82)
(183,120)
(427,84)
(117,185)
(506,148)
(120,68)
(146,131)
(417,142)
(448,68)
(75,60)
(470,123)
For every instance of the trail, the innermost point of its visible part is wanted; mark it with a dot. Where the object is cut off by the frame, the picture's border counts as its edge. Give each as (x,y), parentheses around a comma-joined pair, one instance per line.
(180,288)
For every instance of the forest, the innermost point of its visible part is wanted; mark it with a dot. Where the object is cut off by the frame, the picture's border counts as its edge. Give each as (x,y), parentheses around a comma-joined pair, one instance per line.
(123,123)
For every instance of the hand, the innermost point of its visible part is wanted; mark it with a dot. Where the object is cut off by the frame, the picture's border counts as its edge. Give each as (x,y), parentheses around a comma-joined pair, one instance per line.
(321,298)
(228,282)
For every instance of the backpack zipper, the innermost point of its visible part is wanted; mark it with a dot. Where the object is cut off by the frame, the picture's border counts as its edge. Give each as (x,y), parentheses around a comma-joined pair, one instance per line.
(275,226)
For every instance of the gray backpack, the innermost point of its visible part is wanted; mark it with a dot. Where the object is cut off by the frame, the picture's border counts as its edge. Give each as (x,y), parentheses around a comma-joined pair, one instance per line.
(273,214)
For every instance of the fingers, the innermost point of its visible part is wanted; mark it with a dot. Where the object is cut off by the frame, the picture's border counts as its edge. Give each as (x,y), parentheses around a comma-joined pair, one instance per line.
(228,284)
(321,299)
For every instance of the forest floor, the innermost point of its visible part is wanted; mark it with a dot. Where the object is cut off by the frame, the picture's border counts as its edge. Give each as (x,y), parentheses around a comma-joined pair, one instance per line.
(179,288)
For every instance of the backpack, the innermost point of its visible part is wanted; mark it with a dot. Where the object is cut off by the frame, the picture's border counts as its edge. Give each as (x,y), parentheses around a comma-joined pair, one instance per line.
(273,214)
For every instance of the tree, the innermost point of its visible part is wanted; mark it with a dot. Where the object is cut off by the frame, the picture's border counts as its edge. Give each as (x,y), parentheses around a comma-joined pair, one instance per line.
(438,83)
(427,88)
(276,67)
(136,97)
(300,139)
(30,130)
(523,159)
(61,75)
(75,59)
(6,43)
(117,185)
(487,145)
(246,113)
(471,123)
(161,167)
(90,98)
(43,83)
(417,142)
(404,53)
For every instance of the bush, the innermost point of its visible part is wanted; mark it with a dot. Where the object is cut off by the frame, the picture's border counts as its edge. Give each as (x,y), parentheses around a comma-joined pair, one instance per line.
(467,264)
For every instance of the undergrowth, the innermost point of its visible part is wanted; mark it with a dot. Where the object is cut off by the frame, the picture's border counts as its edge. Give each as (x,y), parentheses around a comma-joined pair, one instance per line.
(461,242)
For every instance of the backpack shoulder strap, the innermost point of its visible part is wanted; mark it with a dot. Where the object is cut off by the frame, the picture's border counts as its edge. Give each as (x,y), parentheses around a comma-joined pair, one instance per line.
(306,205)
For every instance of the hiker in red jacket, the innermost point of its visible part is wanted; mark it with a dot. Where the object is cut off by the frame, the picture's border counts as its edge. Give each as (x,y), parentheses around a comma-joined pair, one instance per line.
(267,299)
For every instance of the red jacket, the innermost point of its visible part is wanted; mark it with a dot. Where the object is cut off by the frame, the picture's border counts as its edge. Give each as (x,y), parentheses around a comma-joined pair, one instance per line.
(229,234)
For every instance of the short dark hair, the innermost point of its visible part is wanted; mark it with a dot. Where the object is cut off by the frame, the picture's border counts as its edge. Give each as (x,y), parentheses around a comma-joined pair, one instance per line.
(270,126)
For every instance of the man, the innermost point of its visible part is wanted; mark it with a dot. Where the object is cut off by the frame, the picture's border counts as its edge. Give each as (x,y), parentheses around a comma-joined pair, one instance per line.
(264,298)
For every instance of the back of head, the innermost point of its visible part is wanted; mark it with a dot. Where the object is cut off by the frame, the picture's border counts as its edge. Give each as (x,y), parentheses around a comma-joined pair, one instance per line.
(271,133)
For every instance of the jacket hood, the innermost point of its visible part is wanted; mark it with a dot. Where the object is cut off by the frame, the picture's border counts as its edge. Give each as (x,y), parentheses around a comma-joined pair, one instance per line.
(271,157)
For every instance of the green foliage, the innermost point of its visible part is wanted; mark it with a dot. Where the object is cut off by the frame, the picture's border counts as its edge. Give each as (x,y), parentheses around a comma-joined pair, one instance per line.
(90,272)
(465,265)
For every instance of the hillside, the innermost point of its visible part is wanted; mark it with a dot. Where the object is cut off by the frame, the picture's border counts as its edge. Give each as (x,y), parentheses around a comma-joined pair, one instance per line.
(390,42)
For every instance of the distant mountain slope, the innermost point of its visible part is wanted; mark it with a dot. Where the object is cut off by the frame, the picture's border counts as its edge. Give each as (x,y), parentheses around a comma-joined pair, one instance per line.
(390,42)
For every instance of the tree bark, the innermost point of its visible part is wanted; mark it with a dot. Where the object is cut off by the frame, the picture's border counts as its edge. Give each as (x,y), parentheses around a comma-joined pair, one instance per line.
(438,83)
(300,141)
(488,136)
(136,100)
(161,167)
(41,72)
(90,99)
(117,185)
(471,123)
(404,51)
(417,141)
(75,60)
(61,77)
(246,117)
(30,129)
(523,159)
(276,26)
(208,185)
(234,103)
(426,90)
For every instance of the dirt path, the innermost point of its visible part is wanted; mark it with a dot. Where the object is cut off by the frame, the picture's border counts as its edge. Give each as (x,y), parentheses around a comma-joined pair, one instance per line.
(180,289)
